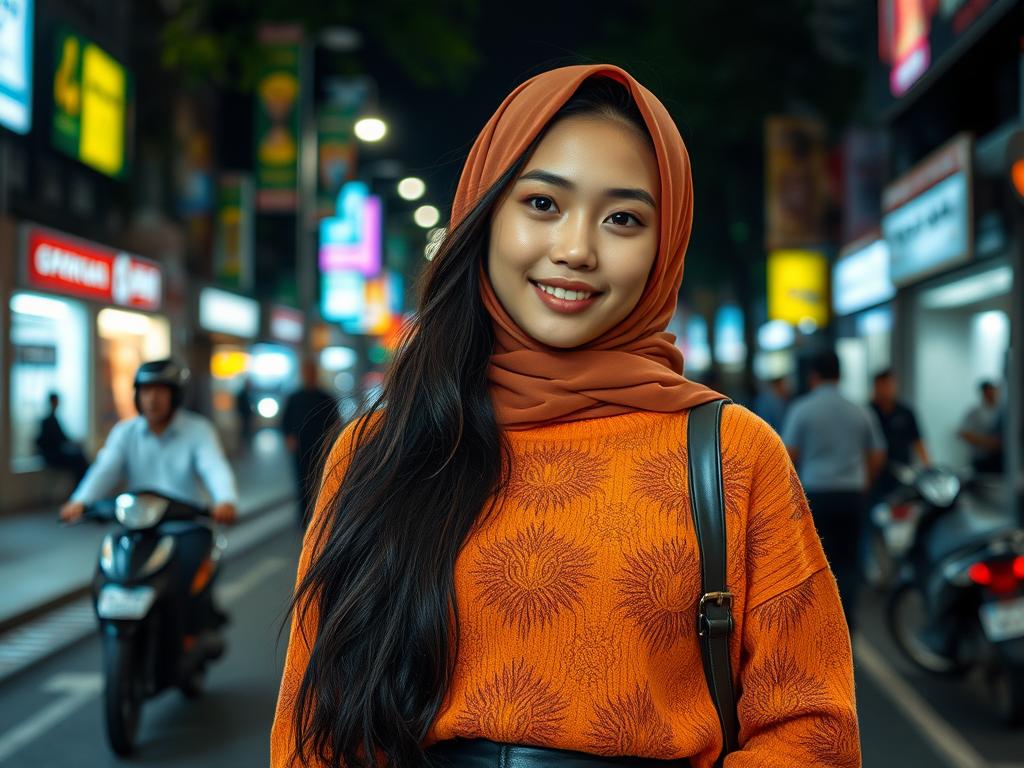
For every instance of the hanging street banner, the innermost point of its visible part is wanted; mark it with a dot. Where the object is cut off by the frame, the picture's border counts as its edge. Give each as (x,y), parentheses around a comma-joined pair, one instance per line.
(233,246)
(278,120)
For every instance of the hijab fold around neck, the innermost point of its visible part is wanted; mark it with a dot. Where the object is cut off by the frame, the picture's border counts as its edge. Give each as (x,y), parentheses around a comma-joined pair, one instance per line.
(634,366)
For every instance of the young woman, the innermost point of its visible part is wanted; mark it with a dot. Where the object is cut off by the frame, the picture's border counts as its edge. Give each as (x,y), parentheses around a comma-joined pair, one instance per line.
(502,551)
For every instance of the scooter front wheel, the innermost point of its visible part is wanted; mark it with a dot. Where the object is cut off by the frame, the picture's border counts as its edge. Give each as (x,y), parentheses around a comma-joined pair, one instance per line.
(123,694)
(907,618)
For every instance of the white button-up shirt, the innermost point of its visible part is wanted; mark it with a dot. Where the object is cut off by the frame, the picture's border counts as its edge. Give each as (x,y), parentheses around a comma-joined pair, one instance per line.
(179,463)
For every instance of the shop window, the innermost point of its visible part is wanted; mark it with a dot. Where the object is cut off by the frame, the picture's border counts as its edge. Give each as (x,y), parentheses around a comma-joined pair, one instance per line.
(50,353)
(127,339)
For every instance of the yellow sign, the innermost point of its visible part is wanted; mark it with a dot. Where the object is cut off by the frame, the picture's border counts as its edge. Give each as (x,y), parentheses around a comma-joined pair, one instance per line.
(91,93)
(798,287)
(103,107)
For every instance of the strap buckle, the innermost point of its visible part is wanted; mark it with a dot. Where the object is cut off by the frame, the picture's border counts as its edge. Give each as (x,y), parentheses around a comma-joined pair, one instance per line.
(721,624)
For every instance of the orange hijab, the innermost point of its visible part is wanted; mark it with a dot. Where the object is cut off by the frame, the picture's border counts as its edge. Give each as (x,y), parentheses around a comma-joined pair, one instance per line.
(634,366)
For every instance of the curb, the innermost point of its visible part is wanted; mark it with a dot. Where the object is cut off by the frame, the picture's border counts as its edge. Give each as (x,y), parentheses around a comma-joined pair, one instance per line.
(47,606)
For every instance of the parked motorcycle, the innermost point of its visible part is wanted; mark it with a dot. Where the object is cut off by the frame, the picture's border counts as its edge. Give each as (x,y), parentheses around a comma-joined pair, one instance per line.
(158,625)
(958,603)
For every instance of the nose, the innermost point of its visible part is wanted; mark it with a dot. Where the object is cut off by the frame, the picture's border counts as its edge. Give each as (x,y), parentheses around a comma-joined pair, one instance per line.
(573,244)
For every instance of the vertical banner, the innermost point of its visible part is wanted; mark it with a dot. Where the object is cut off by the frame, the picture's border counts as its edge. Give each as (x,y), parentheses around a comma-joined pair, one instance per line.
(16,65)
(336,156)
(798,287)
(233,253)
(796,182)
(277,119)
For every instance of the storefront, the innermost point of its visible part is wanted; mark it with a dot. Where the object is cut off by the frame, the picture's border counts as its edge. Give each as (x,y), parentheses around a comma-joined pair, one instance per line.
(953,304)
(232,325)
(862,291)
(82,316)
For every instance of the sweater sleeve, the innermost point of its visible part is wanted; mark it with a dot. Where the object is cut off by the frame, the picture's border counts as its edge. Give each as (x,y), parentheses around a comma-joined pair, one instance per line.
(304,623)
(796,703)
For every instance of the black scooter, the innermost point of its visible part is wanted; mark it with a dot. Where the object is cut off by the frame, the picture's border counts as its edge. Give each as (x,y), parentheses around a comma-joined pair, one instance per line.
(958,602)
(154,605)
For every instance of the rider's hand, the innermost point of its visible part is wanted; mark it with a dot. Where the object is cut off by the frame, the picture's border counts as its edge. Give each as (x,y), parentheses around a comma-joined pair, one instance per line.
(225,513)
(72,511)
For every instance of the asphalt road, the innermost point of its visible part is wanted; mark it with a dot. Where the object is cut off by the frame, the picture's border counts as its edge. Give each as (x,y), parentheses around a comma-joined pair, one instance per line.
(51,715)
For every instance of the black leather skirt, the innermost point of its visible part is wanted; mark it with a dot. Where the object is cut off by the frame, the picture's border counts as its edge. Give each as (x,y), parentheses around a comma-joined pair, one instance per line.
(480,753)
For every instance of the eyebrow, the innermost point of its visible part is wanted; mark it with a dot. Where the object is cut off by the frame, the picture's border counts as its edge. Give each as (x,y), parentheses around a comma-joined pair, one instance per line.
(621,193)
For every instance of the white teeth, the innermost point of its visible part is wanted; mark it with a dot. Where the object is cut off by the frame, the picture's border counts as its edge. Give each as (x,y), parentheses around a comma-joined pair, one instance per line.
(561,293)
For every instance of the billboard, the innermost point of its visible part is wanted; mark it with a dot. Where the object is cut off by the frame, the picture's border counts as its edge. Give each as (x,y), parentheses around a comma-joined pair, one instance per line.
(92,95)
(16,65)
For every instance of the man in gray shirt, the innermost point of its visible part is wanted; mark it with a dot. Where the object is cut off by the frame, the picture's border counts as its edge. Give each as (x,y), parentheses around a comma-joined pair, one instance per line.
(838,449)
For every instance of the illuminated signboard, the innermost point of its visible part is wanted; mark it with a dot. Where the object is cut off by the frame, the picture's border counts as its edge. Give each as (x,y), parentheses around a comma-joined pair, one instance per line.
(16,65)
(927,218)
(92,93)
(860,277)
(224,312)
(915,35)
(798,287)
(75,267)
(351,240)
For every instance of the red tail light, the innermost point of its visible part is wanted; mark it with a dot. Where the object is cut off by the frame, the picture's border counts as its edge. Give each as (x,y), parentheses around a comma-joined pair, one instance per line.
(900,512)
(1002,577)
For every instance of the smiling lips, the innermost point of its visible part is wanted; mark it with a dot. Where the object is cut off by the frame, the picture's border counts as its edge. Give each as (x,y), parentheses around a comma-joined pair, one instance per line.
(565,296)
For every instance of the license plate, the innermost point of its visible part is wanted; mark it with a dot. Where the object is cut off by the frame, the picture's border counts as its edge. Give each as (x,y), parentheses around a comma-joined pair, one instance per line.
(125,602)
(1003,620)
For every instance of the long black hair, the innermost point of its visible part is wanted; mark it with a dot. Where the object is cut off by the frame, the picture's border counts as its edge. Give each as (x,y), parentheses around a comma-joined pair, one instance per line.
(429,463)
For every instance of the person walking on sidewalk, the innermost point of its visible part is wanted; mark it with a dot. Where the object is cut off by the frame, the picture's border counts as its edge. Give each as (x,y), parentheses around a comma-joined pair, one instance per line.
(503,551)
(903,438)
(310,420)
(838,449)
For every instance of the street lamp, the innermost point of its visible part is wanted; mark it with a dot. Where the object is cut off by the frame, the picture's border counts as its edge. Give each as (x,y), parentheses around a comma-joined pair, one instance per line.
(411,188)
(427,216)
(371,129)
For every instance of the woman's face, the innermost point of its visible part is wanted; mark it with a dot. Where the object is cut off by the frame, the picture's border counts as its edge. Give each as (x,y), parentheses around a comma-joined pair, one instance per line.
(574,239)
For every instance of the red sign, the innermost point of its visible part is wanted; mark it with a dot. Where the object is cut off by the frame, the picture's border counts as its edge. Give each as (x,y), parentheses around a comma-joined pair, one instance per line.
(77,268)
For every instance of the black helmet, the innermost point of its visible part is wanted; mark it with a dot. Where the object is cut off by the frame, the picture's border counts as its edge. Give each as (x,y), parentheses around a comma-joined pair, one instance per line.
(167,372)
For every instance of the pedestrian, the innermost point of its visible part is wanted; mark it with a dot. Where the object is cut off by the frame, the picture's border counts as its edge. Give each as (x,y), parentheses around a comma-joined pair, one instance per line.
(899,428)
(503,551)
(57,450)
(838,448)
(982,430)
(243,407)
(311,419)
(772,401)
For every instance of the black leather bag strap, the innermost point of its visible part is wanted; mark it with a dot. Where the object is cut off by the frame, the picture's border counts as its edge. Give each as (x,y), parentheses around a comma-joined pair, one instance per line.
(714,612)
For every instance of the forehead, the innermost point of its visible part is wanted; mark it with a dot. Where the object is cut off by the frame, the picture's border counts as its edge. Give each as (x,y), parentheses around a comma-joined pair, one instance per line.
(598,151)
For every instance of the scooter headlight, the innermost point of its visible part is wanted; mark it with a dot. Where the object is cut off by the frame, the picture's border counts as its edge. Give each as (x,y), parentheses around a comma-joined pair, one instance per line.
(939,488)
(139,510)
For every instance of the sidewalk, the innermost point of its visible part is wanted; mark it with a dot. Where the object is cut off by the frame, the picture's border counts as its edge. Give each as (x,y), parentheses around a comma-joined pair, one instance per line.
(42,562)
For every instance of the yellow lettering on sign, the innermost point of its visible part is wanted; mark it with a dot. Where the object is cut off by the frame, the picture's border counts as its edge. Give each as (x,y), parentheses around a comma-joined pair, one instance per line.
(103,111)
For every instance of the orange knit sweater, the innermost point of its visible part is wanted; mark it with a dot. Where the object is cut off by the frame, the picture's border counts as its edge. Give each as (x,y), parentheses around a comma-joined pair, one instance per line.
(578,601)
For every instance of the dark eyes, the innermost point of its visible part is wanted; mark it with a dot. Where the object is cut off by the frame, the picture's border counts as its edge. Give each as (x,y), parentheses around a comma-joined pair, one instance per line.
(544,204)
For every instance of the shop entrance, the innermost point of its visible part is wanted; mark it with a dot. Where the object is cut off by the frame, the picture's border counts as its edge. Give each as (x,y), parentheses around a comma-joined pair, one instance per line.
(962,334)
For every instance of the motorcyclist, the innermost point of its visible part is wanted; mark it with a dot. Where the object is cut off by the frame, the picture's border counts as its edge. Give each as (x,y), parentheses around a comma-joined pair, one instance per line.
(165,449)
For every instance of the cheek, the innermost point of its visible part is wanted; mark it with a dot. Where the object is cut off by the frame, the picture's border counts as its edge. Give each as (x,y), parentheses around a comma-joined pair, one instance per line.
(631,271)
(515,244)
